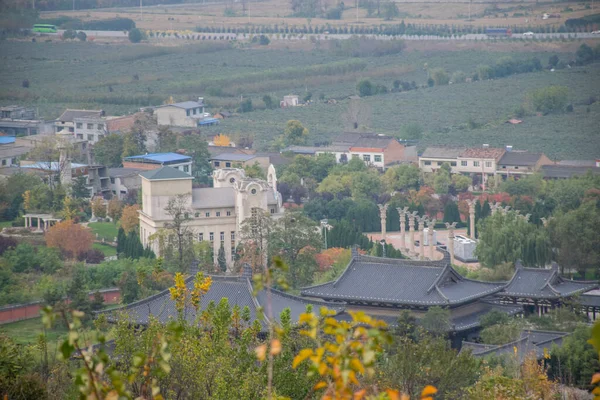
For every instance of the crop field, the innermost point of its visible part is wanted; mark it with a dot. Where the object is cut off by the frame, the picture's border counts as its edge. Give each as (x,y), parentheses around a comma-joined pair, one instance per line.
(271,12)
(121,78)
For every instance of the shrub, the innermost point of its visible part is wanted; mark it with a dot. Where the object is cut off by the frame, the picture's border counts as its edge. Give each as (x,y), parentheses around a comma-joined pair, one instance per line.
(81,36)
(439,76)
(365,88)
(92,256)
(135,35)
(69,34)
(25,83)
(263,40)
(551,99)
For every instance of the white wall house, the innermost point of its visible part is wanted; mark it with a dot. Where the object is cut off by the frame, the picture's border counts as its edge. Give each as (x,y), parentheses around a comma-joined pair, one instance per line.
(187,113)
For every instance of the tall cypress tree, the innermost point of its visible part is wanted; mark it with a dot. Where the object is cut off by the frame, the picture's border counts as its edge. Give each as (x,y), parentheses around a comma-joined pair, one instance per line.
(221,260)
(121,239)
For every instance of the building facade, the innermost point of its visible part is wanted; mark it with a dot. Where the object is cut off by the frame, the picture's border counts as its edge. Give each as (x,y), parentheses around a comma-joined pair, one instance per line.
(187,113)
(216,213)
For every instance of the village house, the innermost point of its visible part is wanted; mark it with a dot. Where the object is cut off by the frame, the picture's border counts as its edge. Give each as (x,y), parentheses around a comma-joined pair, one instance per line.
(124,181)
(157,160)
(10,153)
(65,124)
(482,161)
(519,163)
(216,213)
(434,157)
(187,113)
(21,121)
(239,160)
(291,100)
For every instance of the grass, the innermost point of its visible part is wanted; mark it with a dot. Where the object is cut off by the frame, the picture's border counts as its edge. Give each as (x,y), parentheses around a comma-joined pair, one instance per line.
(106,249)
(5,224)
(28,331)
(105,230)
(222,74)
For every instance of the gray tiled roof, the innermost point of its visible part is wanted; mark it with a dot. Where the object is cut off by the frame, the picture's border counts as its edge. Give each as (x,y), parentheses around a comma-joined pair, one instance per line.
(375,142)
(589,300)
(184,104)
(165,173)
(396,282)
(564,171)
(233,157)
(530,341)
(68,115)
(213,197)
(539,283)
(443,152)
(237,289)
(519,158)
(300,149)
(117,172)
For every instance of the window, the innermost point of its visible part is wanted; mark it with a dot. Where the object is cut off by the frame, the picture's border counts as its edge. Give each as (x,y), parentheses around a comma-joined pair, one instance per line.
(3,162)
(453,163)
(79,125)
(222,237)
(272,211)
(366,157)
(90,126)
(253,191)
(207,214)
(232,236)
(79,136)
(114,192)
(463,163)
(231,180)
(211,237)
(112,180)
(194,111)
(229,213)
(196,214)
(232,253)
(71,130)
(377,158)
(228,164)
(439,163)
(488,164)
(218,213)
(354,155)
(100,137)
(476,163)
(217,163)
(426,162)
(201,237)
(187,112)
(186,168)
(100,127)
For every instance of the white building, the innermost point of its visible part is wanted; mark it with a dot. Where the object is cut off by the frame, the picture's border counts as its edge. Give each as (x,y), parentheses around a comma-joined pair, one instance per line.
(217,213)
(187,113)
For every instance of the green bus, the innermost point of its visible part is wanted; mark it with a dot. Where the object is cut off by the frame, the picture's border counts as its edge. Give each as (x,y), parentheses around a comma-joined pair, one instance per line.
(44,28)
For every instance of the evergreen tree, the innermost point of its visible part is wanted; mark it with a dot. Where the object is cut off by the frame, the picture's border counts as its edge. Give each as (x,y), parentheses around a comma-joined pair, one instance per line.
(451,213)
(221,260)
(79,189)
(121,239)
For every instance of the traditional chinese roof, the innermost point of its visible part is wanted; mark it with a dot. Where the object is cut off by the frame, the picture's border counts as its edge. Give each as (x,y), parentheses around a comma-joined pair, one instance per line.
(399,282)
(539,283)
(530,341)
(483,152)
(237,289)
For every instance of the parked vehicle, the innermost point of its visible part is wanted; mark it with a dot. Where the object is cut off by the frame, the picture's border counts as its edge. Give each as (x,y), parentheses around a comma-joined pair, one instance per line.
(44,28)
(498,32)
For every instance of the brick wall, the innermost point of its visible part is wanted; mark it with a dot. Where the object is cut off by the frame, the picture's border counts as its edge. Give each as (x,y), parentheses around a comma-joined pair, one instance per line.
(19,312)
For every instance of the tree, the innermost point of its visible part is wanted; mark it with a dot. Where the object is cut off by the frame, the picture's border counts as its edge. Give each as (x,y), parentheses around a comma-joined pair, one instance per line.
(584,54)
(69,34)
(507,237)
(295,133)
(115,208)
(269,102)
(256,233)
(221,140)
(551,99)
(221,259)
(401,178)
(72,239)
(246,105)
(109,150)
(99,208)
(135,35)
(365,185)
(574,236)
(130,218)
(553,61)
(439,76)
(442,181)
(460,182)
(134,142)
(365,88)
(166,140)
(69,209)
(255,171)
(79,189)
(357,115)
(390,10)
(575,361)
(411,132)
(437,321)
(81,36)
(197,148)
(178,209)
(451,213)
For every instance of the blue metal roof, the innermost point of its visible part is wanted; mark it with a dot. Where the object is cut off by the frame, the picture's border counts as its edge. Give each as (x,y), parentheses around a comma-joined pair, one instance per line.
(7,139)
(159,157)
(209,121)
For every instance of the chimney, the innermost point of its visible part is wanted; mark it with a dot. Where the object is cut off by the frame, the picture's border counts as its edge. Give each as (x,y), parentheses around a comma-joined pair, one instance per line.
(509,148)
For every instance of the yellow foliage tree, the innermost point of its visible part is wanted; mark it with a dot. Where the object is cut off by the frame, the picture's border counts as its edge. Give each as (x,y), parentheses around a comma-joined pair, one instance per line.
(99,208)
(129,218)
(27,200)
(114,209)
(222,140)
(69,208)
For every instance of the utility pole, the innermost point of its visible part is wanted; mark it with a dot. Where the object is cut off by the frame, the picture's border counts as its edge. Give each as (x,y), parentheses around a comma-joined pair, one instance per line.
(357,9)
(141,11)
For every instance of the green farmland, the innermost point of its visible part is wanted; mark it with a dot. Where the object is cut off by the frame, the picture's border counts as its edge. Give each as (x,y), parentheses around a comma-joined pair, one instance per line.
(121,78)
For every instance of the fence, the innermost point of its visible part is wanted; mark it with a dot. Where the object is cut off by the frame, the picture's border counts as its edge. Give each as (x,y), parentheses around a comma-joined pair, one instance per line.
(20,312)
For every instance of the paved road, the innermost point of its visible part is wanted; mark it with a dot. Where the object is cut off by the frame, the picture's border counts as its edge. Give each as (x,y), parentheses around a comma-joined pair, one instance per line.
(232,36)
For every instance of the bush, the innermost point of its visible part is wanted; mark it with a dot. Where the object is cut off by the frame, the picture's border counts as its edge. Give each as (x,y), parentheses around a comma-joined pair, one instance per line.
(135,35)
(25,83)
(92,256)
(547,100)
(69,34)
(81,36)
(365,88)
(439,76)
(263,40)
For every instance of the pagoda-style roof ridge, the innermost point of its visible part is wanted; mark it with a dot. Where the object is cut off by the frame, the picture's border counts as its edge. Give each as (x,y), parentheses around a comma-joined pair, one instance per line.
(544,283)
(437,288)
(403,261)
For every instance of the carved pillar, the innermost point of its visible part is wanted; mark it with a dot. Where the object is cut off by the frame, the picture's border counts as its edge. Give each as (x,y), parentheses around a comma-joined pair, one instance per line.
(431,224)
(471,204)
(422,221)
(411,230)
(402,212)
(450,244)
(383,215)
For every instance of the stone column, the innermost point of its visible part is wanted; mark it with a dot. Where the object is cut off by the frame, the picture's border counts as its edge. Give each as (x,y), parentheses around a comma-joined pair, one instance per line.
(422,220)
(431,224)
(26,222)
(450,244)
(471,204)
(402,212)
(411,230)
(383,215)
(93,219)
